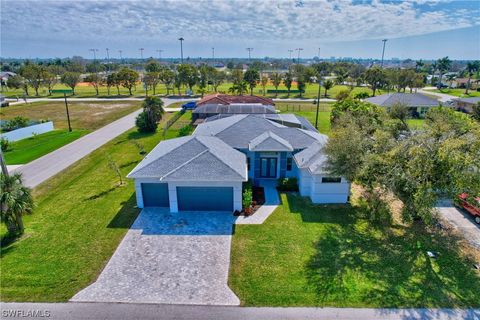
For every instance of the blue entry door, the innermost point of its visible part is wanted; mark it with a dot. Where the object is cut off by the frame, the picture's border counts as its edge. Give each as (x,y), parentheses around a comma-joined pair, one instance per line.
(268,167)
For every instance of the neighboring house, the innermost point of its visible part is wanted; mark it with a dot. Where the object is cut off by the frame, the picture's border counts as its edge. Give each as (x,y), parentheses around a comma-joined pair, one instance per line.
(226,99)
(207,110)
(463,82)
(205,171)
(417,102)
(465,104)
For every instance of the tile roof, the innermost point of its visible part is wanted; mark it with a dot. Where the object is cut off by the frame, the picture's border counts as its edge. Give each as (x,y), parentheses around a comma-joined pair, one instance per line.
(218,98)
(312,158)
(409,99)
(239,130)
(269,141)
(193,158)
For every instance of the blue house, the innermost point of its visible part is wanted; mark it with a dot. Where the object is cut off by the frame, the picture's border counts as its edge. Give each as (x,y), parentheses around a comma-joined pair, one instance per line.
(206,171)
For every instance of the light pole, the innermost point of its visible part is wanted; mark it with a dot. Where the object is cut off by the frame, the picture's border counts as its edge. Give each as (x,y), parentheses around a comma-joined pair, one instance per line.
(298,57)
(383,51)
(121,58)
(318,100)
(141,53)
(290,52)
(159,54)
(213,56)
(181,48)
(318,53)
(94,58)
(249,54)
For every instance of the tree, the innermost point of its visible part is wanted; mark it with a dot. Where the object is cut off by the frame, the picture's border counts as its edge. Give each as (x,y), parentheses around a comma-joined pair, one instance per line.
(152,113)
(450,79)
(217,78)
(153,66)
(167,76)
(327,85)
(251,77)
(203,79)
(112,81)
(443,65)
(152,79)
(128,78)
(115,168)
(50,80)
(264,82)
(301,84)
(33,74)
(472,68)
(15,82)
(188,75)
(400,112)
(95,80)
(415,167)
(287,81)
(239,85)
(16,201)
(70,79)
(276,79)
(375,77)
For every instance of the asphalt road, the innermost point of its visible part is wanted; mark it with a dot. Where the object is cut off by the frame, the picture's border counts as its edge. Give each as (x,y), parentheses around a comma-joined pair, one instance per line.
(130,311)
(461,221)
(41,169)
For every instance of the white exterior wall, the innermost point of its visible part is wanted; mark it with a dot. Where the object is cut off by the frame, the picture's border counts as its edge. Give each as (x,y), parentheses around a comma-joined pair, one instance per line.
(172,190)
(329,192)
(28,132)
(304,182)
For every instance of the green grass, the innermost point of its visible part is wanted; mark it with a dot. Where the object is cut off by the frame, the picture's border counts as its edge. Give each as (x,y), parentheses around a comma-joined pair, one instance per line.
(458,92)
(29,149)
(317,255)
(86,91)
(81,215)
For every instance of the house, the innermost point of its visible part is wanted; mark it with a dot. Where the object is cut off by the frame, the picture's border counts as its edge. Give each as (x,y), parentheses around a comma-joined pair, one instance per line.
(226,99)
(207,110)
(466,104)
(205,171)
(463,83)
(417,102)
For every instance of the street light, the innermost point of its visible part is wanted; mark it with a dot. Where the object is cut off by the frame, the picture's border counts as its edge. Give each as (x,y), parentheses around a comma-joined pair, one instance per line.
(318,100)
(108,60)
(121,58)
(318,53)
(181,48)
(383,51)
(141,53)
(290,52)
(159,54)
(94,54)
(213,56)
(298,49)
(249,53)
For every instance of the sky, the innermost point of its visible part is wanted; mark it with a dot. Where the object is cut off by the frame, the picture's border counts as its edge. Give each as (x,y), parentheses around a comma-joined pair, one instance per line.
(416,29)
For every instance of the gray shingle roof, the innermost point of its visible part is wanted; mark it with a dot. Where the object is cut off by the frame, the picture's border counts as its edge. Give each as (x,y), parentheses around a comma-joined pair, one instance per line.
(239,130)
(241,108)
(193,158)
(409,99)
(269,141)
(286,119)
(312,158)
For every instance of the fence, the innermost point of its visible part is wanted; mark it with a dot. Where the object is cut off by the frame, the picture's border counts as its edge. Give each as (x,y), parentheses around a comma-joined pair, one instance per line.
(295,107)
(28,132)
(172,120)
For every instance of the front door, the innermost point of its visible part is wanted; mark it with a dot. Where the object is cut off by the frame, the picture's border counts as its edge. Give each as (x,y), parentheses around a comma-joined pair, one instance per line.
(268,167)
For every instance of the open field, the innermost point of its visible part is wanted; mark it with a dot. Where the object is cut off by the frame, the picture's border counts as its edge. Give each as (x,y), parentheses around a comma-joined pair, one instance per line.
(86,90)
(328,255)
(83,115)
(81,216)
(29,149)
(458,92)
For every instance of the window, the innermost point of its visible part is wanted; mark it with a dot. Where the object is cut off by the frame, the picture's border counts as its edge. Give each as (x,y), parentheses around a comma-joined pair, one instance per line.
(248,163)
(289,164)
(331,179)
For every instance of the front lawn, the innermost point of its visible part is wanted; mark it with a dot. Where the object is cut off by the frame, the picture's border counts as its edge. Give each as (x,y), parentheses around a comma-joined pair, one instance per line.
(315,255)
(81,215)
(83,115)
(26,150)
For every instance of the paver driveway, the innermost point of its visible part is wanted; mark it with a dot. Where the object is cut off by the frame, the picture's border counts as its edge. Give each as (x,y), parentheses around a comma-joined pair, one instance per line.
(175,258)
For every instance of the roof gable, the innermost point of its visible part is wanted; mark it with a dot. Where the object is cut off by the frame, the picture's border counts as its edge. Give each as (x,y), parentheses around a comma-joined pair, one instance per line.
(269,141)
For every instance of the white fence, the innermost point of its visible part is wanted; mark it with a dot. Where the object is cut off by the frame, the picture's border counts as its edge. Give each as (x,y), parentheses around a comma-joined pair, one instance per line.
(27,132)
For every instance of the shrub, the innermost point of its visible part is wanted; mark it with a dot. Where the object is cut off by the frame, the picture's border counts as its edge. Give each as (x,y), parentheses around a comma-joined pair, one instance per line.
(287,184)
(4,144)
(247,196)
(185,130)
(145,124)
(15,123)
(361,95)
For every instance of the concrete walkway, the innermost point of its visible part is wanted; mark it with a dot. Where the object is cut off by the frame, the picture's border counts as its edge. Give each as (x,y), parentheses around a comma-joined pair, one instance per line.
(443,97)
(119,311)
(166,101)
(271,203)
(41,169)
(174,258)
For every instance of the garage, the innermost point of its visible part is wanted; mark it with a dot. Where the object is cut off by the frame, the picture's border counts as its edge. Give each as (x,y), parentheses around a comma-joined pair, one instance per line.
(205,198)
(155,195)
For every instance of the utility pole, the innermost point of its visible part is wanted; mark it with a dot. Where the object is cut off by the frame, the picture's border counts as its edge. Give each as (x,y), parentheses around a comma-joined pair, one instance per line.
(94,58)
(213,56)
(318,53)
(108,60)
(181,48)
(68,113)
(298,57)
(159,54)
(318,100)
(290,52)
(249,54)
(141,53)
(121,58)
(383,51)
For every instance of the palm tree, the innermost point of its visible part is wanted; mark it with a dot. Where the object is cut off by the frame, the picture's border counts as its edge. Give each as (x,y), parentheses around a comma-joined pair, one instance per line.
(264,82)
(472,67)
(450,78)
(327,85)
(16,200)
(443,65)
(276,81)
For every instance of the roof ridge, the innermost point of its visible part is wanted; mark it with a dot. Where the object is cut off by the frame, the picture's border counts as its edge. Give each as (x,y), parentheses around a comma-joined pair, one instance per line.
(183,164)
(213,154)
